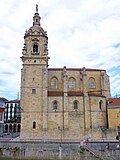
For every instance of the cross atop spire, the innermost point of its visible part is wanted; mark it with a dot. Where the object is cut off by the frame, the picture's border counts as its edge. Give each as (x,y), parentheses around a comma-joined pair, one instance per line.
(36,8)
(36,18)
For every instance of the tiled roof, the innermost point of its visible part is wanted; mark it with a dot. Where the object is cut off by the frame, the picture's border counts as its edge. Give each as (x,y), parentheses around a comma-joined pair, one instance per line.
(3,99)
(114,101)
(55,93)
(75,69)
(95,94)
(73,93)
(13,101)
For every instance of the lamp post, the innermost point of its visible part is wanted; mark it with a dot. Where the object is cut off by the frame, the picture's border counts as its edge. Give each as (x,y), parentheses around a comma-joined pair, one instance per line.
(61,128)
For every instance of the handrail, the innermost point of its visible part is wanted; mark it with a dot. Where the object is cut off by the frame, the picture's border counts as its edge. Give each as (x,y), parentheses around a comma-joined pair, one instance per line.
(93,153)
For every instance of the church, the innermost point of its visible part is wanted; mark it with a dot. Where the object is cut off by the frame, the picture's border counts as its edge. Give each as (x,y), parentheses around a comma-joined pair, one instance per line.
(59,103)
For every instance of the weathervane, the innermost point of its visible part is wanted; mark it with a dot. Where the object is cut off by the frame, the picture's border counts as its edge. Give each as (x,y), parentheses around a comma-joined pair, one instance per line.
(36,8)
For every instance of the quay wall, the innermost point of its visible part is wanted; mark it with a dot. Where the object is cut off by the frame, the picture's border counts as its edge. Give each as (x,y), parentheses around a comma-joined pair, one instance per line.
(59,150)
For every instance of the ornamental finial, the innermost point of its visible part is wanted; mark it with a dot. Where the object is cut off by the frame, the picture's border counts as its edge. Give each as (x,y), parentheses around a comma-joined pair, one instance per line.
(36,8)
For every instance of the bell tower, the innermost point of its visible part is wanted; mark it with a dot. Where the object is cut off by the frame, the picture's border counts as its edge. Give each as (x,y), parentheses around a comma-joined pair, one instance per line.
(34,77)
(35,43)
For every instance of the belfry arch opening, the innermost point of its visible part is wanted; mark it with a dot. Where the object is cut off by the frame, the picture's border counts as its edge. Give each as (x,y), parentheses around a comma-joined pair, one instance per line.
(35,48)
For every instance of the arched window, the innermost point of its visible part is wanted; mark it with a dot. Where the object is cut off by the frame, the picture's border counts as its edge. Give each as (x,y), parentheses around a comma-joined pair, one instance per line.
(54,83)
(72,82)
(19,127)
(6,128)
(14,128)
(100,104)
(75,104)
(55,105)
(34,125)
(15,111)
(10,128)
(91,82)
(35,48)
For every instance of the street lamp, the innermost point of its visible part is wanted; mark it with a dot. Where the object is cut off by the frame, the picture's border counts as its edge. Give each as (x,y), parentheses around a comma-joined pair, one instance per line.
(61,128)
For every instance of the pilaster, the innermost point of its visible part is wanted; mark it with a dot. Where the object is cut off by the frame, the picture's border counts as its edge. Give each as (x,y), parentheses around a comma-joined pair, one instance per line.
(45,97)
(86,108)
(65,99)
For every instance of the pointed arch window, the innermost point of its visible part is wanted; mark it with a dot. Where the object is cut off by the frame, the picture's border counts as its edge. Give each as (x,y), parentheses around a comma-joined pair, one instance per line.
(54,83)
(75,105)
(35,48)
(55,105)
(72,82)
(91,82)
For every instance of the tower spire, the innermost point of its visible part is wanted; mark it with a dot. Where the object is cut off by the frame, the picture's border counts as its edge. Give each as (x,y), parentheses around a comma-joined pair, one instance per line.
(36,18)
(36,8)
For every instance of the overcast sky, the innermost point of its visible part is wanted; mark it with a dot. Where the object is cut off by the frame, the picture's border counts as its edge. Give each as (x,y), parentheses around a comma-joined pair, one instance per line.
(82,33)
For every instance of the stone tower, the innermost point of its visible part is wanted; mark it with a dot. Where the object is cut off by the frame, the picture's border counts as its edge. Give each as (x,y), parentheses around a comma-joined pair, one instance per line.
(34,78)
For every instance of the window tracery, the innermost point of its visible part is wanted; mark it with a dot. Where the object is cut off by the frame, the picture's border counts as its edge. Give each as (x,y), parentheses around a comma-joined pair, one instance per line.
(72,82)
(91,82)
(54,83)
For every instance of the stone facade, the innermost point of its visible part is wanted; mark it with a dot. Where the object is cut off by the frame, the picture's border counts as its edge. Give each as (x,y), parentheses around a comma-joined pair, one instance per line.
(59,103)
(2,107)
(12,116)
(114,112)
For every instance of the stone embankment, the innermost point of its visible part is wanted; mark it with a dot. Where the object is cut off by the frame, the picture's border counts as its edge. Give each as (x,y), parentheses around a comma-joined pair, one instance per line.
(44,150)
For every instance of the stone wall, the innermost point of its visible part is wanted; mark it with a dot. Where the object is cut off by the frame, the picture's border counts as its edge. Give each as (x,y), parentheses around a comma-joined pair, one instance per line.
(58,150)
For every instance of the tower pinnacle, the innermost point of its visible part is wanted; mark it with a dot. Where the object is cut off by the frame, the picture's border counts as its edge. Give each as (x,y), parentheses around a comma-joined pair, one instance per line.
(36,8)
(36,18)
